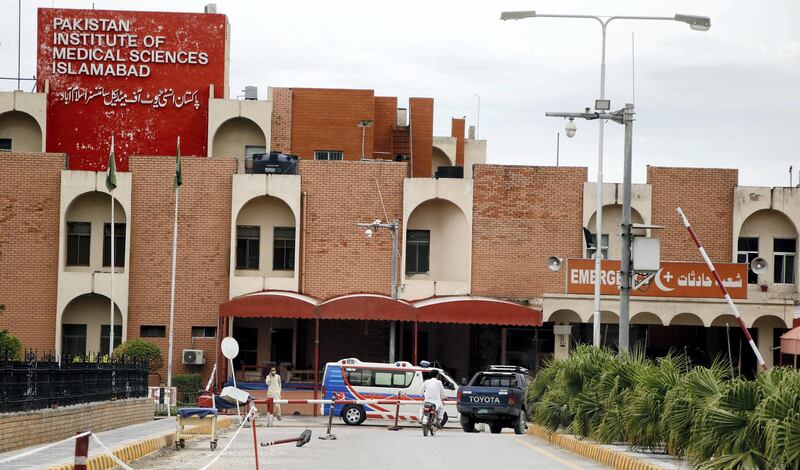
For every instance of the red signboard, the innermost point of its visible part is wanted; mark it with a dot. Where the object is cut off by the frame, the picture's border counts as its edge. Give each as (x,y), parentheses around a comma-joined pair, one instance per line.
(143,77)
(674,279)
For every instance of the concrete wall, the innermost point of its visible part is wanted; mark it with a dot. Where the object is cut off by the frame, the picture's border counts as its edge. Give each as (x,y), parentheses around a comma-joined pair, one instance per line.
(49,425)
(84,198)
(18,125)
(234,124)
(281,207)
(444,207)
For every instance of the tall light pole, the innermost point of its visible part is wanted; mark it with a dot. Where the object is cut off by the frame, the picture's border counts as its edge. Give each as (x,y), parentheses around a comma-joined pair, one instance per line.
(371,228)
(698,23)
(363,124)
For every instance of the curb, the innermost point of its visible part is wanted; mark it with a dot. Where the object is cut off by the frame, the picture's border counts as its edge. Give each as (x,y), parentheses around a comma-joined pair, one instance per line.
(140,449)
(590,450)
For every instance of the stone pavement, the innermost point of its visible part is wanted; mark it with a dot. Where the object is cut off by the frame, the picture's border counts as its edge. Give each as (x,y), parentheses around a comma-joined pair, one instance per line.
(63,453)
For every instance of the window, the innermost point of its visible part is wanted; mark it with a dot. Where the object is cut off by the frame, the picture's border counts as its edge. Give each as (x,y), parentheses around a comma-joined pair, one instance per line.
(593,244)
(152,331)
(119,245)
(747,252)
(204,332)
(283,249)
(418,251)
(328,155)
(785,251)
(104,329)
(5,145)
(497,381)
(378,378)
(78,239)
(247,240)
(73,340)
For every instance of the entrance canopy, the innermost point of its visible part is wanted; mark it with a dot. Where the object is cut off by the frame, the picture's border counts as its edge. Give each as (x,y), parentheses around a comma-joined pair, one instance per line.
(790,342)
(448,309)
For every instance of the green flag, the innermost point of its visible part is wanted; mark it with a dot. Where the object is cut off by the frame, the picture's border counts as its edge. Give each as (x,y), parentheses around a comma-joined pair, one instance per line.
(111,175)
(178,175)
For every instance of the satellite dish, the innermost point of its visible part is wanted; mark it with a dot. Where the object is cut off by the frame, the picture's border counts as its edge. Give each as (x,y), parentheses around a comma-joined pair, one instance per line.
(230,347)
(554,263)
(759,265)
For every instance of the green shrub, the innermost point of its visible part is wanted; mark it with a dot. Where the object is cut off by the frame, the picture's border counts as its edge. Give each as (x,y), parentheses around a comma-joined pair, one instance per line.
(10,346)
(141,350)
(188,386)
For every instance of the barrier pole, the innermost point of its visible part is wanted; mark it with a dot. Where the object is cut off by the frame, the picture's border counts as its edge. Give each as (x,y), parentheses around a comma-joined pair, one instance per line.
(396,427)
(255,441)
(316,360)
(329,436)
(81,452)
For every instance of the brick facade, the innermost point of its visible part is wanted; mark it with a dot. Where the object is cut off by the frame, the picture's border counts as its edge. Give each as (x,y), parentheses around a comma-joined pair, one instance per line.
(203,250)
(521,216)
(706,197)
(339,258)
(29,224)
(29,428)
(421,122)
(281,138)
(385,121)
(326,119)
(457,131)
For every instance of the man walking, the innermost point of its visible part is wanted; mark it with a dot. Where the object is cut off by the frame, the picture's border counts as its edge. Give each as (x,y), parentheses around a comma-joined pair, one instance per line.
(274,390)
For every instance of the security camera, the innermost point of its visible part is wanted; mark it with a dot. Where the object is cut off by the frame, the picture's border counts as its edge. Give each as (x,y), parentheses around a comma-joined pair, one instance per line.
(571,128)
(368,233)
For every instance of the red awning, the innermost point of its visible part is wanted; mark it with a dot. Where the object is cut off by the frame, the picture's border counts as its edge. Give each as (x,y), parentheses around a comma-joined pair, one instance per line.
(476,311)
(270,304)
(365,307)
(790,342)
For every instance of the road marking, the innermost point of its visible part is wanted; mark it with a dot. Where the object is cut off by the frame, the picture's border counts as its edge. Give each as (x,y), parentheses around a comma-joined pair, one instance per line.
(548,454)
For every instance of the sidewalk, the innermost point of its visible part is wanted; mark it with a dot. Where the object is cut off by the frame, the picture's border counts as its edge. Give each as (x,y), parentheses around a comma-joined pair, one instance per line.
(129,443)
(616,456)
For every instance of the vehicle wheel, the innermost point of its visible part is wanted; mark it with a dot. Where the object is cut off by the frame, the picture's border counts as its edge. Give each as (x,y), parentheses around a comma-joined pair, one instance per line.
(183,444)
(444,419)
(433,428)
(425,430)
(213,445)
(495,428)
(468,426)
(353,415)
(520,424)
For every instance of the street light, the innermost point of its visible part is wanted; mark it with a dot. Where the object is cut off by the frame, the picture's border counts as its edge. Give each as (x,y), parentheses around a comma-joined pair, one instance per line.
(363,124)
(699,23)
(571,128)
(369,229)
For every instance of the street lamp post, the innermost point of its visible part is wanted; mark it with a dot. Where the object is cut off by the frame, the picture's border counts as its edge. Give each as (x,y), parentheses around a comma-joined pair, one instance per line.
(369,230)
(698,23)
(623,116)
(363,124)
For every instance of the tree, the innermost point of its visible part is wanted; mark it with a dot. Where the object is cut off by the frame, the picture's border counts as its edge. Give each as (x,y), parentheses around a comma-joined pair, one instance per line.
(10,346)
(141,350)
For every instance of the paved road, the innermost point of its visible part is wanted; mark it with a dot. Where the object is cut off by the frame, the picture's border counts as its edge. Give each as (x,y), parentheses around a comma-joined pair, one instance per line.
(371,447)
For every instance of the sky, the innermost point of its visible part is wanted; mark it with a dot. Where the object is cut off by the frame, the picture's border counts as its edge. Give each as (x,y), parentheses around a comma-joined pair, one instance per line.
(728,97)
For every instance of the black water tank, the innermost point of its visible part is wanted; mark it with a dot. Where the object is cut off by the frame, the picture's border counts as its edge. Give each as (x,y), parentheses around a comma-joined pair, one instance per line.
(450,172)
(274,163)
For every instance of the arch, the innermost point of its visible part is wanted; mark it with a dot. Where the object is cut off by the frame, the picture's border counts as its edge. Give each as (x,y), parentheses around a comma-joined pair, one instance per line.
(449,240)
(92,207)
(565,317)
(365,307)
(266,304)
(646,318)
(439,158)
(766,226)
(770,321)
(686,319)
(84,316)
(23,130)
(267,213)
(612,219)
(605,317)
(233,136)
(725,319)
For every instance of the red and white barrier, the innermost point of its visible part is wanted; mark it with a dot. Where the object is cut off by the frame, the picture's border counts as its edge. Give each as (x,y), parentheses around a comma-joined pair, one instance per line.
(722,288)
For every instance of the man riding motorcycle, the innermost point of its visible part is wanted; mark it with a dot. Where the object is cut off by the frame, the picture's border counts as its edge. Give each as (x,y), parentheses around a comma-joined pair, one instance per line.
(433,392)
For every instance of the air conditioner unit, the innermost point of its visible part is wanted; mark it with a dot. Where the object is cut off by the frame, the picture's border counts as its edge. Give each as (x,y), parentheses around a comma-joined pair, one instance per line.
(193,356)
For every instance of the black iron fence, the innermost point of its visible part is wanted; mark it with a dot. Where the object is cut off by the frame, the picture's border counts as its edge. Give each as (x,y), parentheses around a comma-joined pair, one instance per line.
(44,381)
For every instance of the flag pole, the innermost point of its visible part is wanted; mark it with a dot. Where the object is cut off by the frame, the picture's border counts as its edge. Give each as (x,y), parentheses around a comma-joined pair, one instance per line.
(174,259)
(111,184)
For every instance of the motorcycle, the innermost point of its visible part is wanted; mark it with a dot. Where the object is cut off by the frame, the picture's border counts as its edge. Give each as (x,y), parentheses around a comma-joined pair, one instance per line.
(429,422)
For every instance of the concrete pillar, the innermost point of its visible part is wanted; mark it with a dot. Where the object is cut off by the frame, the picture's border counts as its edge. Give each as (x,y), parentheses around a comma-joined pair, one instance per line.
(561,352)
(765,345)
